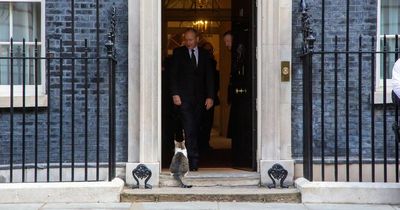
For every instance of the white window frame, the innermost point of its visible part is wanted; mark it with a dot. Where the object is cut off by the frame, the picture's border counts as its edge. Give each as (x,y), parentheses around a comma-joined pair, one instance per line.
(378,81)
(29,89)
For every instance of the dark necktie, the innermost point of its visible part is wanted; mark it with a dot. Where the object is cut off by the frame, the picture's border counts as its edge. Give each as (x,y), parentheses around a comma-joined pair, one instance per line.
(193,59)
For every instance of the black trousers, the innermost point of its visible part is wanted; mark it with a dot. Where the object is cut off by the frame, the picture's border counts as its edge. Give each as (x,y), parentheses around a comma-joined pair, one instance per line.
(207,123)
(191,112)
(395,127)
(395,99)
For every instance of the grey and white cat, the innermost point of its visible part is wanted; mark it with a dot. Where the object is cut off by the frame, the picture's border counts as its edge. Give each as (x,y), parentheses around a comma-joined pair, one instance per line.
(180,163)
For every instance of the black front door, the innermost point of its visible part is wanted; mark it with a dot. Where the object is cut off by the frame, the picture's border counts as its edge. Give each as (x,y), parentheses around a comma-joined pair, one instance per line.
(242,123)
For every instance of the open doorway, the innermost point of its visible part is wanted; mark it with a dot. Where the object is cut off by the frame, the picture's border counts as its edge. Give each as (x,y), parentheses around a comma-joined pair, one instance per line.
(213,18)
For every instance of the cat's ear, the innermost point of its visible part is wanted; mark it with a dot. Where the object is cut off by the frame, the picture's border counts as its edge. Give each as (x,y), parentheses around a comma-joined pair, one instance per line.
(175,142)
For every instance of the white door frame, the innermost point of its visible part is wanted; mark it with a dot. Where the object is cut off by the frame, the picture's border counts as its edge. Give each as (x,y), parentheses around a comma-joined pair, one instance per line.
(144,89)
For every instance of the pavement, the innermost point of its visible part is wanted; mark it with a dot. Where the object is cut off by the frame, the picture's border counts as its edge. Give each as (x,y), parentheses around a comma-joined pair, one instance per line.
(193,206)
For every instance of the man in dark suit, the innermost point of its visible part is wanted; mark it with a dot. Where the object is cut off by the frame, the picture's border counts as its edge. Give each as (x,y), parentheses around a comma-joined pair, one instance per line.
(192,89)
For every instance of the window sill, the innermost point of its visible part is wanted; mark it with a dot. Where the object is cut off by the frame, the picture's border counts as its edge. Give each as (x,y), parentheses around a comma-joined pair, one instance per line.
(29,101)
(378,96)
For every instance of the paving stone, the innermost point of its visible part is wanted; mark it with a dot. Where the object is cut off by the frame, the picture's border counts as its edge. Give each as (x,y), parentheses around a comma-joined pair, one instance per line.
(87,206)
(347,207)
(176,206)
(260,206)
(194,206)
(20,206)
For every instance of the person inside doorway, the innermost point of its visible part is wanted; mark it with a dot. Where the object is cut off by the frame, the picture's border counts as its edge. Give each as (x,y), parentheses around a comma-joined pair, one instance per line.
(239,128)
(172,129)
(237,68)
(208,117)
(192,89)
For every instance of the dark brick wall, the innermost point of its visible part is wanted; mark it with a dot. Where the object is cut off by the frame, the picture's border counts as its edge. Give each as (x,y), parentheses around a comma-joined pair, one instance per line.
(58,26)
(363,21)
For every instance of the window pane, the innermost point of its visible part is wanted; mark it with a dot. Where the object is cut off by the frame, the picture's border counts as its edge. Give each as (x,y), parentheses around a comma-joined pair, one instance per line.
(5,66)
(4,71)
(390,17)
(390,25)
(4,22)
(390,60)
(26,21)
(29,65)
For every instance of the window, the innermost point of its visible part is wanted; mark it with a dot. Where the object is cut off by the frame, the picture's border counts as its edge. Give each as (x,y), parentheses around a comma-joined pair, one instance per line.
(389,25)
(19,20)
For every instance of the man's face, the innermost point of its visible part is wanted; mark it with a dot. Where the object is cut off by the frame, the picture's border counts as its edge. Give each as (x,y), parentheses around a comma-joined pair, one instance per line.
(228,41)
(191,40)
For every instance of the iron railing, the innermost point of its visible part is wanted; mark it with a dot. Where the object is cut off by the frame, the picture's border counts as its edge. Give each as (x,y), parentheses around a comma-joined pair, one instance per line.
(343,124)
(63,126)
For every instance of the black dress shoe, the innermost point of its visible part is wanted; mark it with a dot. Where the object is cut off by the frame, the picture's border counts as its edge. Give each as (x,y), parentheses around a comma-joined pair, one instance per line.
(193,165)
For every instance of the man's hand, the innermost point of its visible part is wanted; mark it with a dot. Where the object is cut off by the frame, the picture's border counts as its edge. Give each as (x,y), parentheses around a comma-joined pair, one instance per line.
(177,100)
(209,103)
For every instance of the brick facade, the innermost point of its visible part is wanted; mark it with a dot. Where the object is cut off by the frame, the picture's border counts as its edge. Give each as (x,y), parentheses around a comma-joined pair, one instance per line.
(58,26)
(363,21)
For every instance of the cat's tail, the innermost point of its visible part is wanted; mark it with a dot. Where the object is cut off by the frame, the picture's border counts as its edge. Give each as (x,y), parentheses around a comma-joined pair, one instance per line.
(178,178)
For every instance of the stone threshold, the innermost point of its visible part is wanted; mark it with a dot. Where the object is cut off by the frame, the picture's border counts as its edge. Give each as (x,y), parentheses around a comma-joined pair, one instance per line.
(212,194)
(212,177)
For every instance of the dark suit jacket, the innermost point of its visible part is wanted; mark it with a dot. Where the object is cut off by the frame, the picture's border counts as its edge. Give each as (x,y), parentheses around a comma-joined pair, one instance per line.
(188,81)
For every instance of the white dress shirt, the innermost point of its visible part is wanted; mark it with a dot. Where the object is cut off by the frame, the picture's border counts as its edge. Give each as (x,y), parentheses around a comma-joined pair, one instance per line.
(396,78)
(196,53)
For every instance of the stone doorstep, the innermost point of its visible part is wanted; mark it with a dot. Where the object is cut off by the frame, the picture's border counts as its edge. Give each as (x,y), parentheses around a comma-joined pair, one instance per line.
(211,178)
(62,192)
(212,194)
(348,192)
